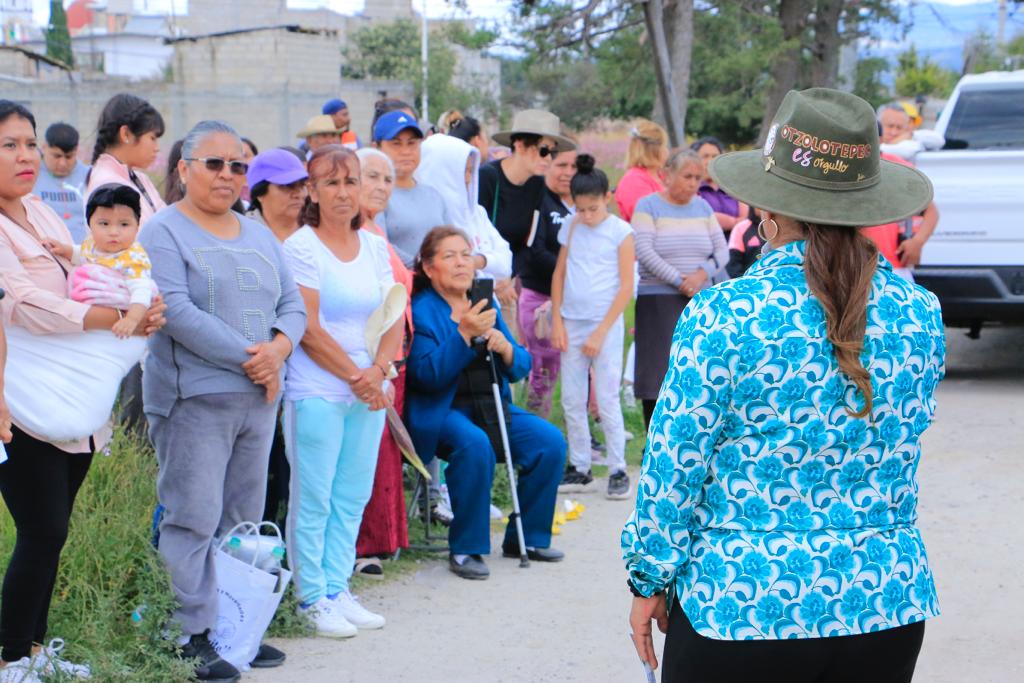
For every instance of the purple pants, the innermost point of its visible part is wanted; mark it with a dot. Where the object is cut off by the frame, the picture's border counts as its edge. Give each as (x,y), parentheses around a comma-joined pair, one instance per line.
(546,360)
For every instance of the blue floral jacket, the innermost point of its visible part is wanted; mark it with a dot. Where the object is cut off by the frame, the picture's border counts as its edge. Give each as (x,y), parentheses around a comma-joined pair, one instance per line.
(769,509)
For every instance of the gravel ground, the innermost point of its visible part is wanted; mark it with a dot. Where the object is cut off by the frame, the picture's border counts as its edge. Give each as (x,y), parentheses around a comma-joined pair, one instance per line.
(567,621)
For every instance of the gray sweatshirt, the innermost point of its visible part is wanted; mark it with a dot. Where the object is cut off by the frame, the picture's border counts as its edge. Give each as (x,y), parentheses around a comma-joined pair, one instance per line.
(409,216)
(222,297)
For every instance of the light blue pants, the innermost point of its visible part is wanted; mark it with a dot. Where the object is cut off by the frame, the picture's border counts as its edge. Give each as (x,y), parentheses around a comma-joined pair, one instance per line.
(332,448)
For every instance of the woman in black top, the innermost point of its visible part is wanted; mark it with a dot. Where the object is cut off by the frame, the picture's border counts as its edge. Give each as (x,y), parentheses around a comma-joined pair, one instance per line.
(537,268)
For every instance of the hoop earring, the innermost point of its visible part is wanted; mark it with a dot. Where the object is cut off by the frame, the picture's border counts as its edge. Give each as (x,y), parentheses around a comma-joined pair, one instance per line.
(760,229)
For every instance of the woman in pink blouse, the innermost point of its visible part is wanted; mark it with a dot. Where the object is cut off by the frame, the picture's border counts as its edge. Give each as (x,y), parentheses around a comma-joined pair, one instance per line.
(39,480)
(648,150)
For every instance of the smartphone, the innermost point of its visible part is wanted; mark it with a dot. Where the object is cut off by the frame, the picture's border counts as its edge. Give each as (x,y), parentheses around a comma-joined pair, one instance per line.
(482,288)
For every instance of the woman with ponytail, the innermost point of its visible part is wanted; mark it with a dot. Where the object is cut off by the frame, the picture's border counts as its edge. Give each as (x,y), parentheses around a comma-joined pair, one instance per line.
(778,499)
(127,143)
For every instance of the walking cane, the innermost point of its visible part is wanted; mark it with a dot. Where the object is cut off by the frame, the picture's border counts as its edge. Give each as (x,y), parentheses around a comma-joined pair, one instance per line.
(524,561)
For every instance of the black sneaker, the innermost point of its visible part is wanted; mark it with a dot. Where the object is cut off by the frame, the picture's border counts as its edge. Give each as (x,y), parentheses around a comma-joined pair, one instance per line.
(210,666)
(596,445)
(575,481)
(618,486)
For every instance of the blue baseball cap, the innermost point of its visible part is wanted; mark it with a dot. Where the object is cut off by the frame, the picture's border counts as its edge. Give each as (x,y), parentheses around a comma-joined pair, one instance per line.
(391,124)
(278,166)
(333,106)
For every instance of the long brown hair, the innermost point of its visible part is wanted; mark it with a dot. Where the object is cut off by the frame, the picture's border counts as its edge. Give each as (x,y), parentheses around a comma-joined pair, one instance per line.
(839,264)
(324,162)
(428,250)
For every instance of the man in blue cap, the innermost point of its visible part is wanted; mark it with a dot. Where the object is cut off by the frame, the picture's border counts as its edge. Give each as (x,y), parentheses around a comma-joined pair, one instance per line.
(414,208)
(338,110)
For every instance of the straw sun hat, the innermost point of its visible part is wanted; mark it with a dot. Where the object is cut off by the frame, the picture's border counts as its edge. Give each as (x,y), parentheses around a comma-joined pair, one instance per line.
(535,122)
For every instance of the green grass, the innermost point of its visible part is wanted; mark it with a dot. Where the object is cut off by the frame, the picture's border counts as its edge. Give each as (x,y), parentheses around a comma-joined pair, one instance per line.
(109,570)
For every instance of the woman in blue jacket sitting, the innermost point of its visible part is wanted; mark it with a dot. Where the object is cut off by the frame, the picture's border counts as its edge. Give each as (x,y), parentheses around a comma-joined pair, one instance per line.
(451,413)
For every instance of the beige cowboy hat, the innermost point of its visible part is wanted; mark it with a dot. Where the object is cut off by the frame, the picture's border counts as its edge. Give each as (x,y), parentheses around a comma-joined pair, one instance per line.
(321,124)
(535,122)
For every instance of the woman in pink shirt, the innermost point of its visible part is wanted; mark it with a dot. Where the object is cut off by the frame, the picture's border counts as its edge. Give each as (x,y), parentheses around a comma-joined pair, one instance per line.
(128,142)
(648,150)
(39,480)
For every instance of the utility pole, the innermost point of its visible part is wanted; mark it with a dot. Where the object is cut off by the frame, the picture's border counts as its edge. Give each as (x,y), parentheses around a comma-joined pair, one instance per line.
(1001,25)
(424,98)
(654,15)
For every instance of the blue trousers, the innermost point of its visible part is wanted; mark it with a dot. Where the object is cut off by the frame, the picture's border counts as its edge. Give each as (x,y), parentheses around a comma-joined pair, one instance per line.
(332,449)
(538,451)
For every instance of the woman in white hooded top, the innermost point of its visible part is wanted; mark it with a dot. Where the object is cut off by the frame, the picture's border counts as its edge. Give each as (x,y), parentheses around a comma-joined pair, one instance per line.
(451,167)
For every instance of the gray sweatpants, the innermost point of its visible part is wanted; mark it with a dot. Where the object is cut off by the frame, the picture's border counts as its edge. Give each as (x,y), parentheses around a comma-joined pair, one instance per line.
(212,451)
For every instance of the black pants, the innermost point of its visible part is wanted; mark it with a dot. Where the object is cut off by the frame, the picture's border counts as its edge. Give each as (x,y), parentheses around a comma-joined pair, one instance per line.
(39,483)
(278,478)
(649,406)
(882,657)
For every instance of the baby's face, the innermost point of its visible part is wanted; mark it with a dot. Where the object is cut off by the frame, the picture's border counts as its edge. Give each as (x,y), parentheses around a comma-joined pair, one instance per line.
(113,229)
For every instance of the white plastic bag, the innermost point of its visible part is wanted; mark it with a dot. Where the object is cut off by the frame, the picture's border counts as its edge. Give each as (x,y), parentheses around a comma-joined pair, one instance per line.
(62,387)
(248,597)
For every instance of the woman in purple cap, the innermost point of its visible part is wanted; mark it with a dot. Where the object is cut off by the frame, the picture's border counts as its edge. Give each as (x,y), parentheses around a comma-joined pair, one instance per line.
(277,192)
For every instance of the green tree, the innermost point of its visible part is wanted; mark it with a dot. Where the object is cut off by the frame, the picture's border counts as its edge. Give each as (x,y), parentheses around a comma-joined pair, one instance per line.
(868,80)
(917,75)
(58,39)
(392,52)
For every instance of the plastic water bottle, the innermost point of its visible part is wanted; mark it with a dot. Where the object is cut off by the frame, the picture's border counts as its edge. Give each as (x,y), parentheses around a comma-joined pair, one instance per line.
(265,552)
(137,614)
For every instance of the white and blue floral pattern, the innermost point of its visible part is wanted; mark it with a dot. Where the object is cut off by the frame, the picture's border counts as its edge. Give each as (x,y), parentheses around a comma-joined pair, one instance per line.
(769,509)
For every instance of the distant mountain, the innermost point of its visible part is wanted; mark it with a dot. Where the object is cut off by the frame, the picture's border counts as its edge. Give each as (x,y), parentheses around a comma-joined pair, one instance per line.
(939,30)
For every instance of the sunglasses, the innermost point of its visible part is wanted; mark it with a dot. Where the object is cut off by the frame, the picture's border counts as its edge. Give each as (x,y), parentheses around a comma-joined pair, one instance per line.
(546,151)
(216,165)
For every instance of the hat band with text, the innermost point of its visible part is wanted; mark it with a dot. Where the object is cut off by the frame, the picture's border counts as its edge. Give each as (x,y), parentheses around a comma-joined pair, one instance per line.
(825,156)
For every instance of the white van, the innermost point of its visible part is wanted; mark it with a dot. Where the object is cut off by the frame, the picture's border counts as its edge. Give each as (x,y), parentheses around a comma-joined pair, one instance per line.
(975,260)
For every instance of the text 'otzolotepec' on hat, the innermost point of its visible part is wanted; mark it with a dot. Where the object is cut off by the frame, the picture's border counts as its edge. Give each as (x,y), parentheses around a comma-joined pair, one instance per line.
(820,163)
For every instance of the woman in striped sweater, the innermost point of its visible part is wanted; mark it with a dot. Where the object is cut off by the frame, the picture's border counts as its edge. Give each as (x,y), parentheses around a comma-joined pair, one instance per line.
(681,250)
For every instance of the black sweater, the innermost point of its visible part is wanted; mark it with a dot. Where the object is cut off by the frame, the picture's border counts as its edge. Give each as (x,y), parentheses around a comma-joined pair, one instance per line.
(510,207)
(538,261)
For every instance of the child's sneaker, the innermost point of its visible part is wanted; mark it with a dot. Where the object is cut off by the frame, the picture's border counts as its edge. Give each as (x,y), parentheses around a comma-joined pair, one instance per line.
(21,671)
(347,605)
(49,662)
(618,486)
(575,481)
(327,621)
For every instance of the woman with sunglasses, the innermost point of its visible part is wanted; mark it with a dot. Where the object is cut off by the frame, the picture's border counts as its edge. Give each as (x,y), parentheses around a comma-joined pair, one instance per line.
(213,376)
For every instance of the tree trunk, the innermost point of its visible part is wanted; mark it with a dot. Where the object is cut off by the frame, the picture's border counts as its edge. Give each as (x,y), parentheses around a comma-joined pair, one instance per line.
(827,43)
(786,69)
(654,17)
(679,33)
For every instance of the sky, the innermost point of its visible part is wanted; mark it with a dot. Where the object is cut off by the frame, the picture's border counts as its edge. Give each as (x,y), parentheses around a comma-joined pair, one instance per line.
(484,9)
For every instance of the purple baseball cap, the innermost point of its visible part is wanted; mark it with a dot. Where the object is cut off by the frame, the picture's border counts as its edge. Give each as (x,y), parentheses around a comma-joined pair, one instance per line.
(278,166)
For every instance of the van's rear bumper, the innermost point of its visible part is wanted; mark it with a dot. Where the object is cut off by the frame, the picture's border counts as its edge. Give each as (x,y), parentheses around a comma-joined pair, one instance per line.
(971,294)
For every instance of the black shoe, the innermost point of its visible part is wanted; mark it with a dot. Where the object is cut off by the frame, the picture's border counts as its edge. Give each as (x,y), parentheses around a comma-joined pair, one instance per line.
(535,554)
(574,481)
(596,445)
(473,567)
(210,666)
(618,486)
(268,657)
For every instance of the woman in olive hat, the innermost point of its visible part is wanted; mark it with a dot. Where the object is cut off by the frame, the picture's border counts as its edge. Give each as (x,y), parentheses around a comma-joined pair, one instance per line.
(774,529)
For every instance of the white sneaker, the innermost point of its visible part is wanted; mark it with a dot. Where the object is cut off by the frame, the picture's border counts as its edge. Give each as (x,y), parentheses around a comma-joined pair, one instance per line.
(48,662)
(349,607)
(327,620)
(21,671)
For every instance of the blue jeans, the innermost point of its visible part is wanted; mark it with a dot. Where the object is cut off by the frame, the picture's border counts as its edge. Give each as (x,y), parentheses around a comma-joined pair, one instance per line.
(538,450)
(332,449)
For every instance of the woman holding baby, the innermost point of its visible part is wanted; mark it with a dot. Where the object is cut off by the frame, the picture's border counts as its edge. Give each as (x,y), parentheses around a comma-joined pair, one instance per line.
(41,476)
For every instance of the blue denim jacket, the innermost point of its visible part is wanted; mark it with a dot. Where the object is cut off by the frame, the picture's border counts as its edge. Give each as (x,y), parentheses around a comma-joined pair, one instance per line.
(763,503)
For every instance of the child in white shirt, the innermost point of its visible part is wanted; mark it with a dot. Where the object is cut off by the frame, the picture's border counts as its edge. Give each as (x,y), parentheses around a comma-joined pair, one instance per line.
(592,285)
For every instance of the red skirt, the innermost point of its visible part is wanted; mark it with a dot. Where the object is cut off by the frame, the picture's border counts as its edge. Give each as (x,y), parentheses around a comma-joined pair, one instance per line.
(385,528)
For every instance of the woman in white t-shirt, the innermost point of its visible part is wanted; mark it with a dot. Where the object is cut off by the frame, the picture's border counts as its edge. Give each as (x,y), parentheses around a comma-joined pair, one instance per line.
(335,391)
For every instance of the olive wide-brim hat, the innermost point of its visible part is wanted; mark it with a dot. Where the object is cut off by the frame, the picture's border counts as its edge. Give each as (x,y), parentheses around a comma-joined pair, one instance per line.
(820,164)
